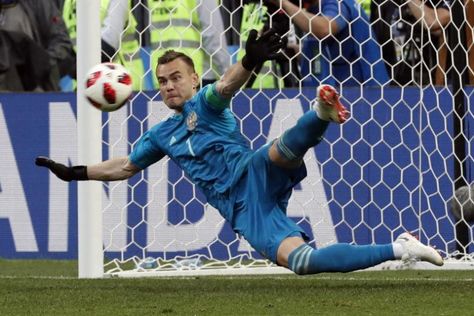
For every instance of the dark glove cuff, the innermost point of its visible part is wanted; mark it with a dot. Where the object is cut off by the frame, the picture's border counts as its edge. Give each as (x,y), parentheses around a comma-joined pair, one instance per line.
(79,173)
(248,64)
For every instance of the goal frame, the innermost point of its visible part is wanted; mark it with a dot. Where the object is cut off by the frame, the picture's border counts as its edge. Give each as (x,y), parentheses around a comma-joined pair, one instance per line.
(90,232)
(89,133)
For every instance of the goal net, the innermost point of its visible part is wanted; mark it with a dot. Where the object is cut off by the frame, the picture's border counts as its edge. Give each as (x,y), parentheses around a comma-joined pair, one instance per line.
(393,167)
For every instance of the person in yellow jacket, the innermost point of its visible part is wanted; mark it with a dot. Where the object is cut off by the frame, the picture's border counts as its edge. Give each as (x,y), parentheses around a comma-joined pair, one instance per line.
(284,70)
(193,27)
(119,36)
(365,4)
(255,16)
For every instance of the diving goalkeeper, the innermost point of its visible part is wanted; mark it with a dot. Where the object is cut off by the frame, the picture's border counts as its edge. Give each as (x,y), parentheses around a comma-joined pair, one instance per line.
(250,188)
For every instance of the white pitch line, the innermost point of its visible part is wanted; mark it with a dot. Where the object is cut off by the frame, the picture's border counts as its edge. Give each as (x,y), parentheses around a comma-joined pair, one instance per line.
(276,277)
(36,277)
(397,279)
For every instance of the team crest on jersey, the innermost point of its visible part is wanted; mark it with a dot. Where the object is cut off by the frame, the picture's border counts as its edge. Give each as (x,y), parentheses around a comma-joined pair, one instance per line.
(191,121)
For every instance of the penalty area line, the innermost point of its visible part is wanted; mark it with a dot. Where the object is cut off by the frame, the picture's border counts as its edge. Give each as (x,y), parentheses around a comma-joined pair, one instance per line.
(256,277)
(347,278)
(411,279)
(37,277)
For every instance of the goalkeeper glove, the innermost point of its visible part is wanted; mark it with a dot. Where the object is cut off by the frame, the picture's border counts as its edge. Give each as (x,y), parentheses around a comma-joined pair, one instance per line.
(61,171)
(257,51)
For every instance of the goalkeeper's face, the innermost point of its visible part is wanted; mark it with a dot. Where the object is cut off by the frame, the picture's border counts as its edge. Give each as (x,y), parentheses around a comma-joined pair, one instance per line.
(178,83)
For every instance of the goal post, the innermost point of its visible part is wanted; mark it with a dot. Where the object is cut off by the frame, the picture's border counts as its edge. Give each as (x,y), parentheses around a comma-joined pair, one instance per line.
(459,79)
(393,167)
(89,131)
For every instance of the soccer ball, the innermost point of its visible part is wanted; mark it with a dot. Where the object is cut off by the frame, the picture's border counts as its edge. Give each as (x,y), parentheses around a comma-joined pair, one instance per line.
(108,86)
(462,204)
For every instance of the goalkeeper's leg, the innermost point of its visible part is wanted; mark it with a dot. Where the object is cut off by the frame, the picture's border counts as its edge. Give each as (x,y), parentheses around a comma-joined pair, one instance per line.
(340,257)
(303,259)
(309,129)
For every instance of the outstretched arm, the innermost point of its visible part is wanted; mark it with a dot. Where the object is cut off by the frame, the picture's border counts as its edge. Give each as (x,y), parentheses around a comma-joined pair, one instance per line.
(232,80)
(257,51)
(109,170)
(114,169)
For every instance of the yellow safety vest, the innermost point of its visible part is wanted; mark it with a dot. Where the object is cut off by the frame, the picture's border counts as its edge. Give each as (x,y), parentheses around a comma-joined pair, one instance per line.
(365,4)
(129,51)
(175,25)
(254,16)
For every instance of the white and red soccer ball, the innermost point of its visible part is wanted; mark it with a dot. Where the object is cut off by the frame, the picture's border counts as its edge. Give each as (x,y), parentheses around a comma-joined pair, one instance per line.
(108,86)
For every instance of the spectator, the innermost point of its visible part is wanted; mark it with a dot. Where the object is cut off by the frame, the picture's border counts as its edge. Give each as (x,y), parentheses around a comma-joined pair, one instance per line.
(119,35)
(231,12)
(120,39)
(36,49)
(256,15)
(194,28)
(409,32)
(341,43)
(366,5)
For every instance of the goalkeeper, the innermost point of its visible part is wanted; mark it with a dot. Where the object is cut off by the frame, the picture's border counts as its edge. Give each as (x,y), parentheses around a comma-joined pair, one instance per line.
(250,188)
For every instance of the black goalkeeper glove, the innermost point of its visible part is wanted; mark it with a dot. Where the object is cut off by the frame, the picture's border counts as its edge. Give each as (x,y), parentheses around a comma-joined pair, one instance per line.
(257,51)
(61,171)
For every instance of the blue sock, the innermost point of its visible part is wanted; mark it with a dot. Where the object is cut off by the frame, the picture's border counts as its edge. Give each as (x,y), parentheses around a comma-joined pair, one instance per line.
(338,258)
(307,132)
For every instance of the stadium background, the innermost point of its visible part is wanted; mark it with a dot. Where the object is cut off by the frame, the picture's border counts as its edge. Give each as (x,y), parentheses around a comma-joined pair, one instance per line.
(396,161)
(392,160)
(394,138)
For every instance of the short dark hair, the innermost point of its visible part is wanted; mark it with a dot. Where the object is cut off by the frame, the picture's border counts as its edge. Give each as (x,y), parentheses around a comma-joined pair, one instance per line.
(170,55)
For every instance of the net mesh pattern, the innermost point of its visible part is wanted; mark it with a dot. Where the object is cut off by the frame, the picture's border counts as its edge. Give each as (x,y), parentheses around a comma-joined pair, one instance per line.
(389,169)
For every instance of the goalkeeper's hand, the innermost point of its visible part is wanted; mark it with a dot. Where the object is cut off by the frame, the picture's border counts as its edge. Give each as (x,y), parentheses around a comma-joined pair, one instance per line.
(259,50)
(61,171)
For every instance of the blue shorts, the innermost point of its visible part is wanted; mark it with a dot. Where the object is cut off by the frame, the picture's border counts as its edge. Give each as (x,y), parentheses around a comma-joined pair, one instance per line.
(261,200)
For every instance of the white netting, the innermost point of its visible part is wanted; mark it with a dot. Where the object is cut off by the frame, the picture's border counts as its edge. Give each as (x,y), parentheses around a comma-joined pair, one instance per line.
(392,167)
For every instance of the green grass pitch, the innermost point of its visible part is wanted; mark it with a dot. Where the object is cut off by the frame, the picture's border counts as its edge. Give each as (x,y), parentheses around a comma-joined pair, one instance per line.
(37,287)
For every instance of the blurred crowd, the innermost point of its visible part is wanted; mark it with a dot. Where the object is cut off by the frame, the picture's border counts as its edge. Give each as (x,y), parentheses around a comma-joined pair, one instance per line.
(340,42)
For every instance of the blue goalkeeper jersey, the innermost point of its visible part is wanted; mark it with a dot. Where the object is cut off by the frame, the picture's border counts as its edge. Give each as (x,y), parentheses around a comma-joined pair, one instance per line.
(204,140)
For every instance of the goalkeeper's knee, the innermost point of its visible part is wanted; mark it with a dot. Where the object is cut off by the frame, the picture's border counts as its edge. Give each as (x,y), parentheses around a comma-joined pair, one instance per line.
(299,260)
(307,132)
